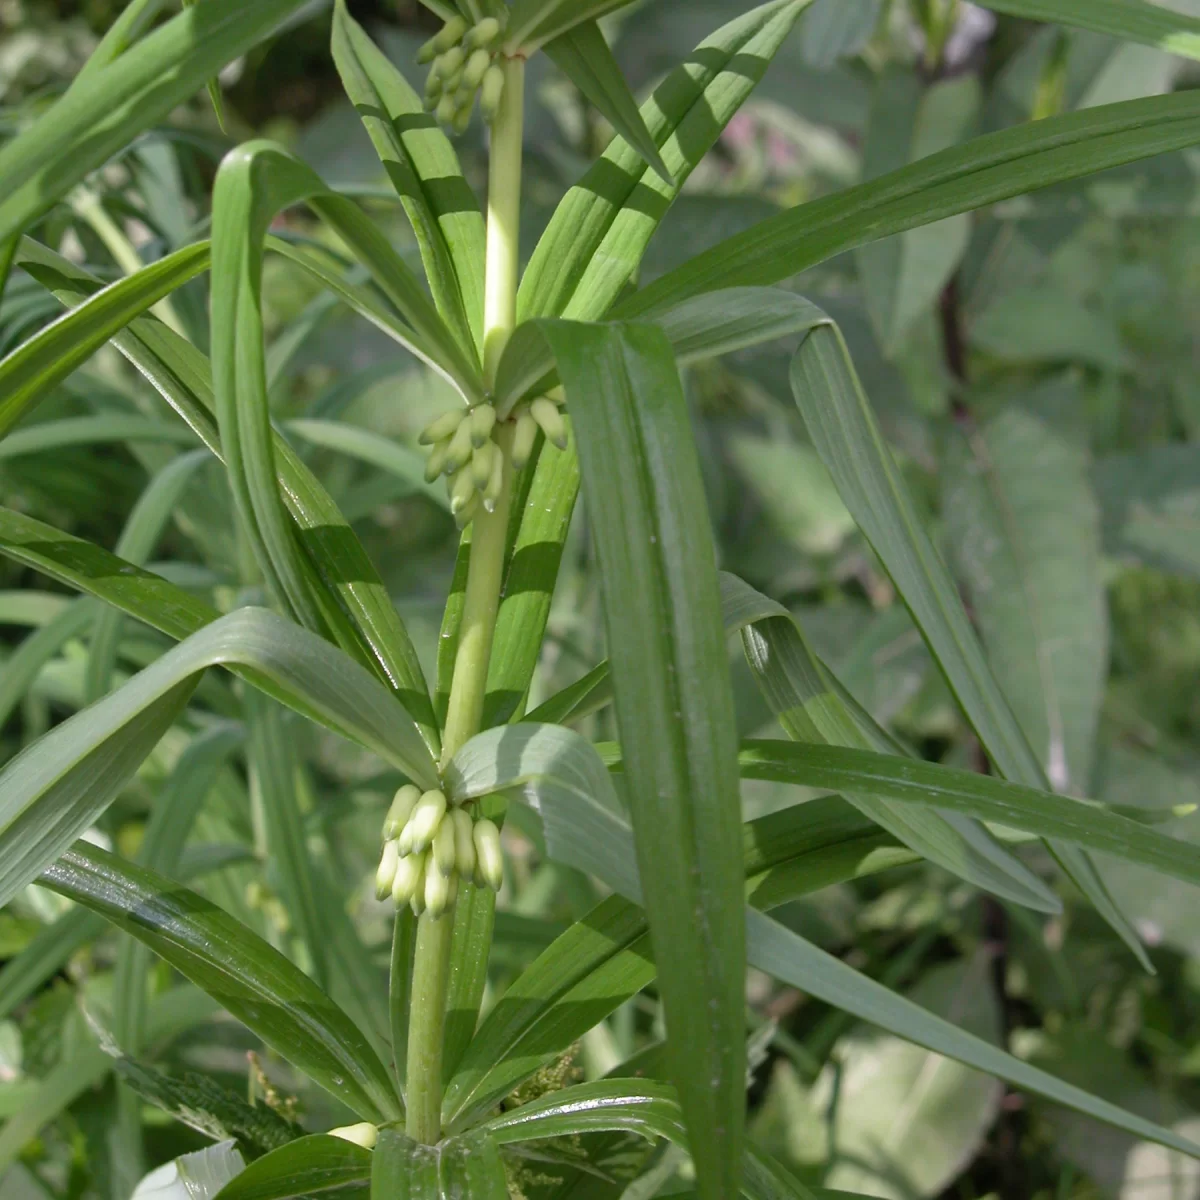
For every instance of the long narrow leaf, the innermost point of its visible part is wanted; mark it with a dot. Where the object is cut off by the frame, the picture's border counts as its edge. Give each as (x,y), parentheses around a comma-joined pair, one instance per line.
(974,175)
(674,703)
(248,977)
(848,438)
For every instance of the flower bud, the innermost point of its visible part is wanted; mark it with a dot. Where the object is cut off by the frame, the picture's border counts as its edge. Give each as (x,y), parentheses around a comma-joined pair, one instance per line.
(464,842)
(546,414)
(402,807)
(485,33)
(476,68)
(426,818)
(443,847)
(447,109)
(462,490)
(385,877)
(495,483)
(445,426)
(409,877)
(483,421)
(492,92)
(437,892)
(489,858)
(523,440)
(481,464)
(461,446)
(466,515)
(450,63)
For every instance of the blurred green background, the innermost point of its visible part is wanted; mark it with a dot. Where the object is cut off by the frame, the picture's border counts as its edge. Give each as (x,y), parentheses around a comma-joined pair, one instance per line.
(1037,371)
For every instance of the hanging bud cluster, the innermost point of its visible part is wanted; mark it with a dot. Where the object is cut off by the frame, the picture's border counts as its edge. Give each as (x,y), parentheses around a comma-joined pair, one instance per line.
(428,846)
(463,64)
(462,449)
(544,413)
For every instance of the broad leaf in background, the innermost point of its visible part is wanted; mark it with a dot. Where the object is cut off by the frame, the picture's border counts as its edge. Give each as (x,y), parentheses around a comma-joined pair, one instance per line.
(238,969)
(982,172)
(838,29)
(57,787)
(1150,502)
(674,704)
(847,436)
(463,1168)
(583,56)
(904,1120)
(903,275)
(1023,532)
(101,114)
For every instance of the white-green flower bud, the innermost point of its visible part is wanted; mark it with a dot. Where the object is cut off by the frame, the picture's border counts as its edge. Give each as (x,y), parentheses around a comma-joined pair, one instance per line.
(461,446)
(435,85)
(462,118)
(495,483)
(466,515)
(464,842)
(443,846)
(485,33)
(450,63)
(401,809)
(426,818)
(445,426)
(385,877)
(449,35)
(417,901)
(523,440)
(364,1135)
(491,92)
(483,421)
(546,414)
(404,841)
(436,463)
(481,464)
(489,858)
(437,892)
(476,68)
(462,490)
(409,876)
(447,109)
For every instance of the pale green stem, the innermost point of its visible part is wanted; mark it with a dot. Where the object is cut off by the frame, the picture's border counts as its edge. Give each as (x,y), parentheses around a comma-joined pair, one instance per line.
(88,206)
(431,968)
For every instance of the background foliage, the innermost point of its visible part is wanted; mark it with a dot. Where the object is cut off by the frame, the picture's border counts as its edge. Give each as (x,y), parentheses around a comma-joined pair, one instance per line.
(1034,367)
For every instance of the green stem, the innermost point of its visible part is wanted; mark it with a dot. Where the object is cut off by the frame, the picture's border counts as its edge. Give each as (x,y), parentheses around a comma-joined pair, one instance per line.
(426,1022)
(489,533)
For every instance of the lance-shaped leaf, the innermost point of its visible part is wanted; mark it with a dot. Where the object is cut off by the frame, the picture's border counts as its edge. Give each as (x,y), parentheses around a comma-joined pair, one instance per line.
(55,789)
(244,974)
(424,169)
(978,173)
(674,704)
(848,438)
(600,231)
(532,22)
(583,56)
(1129,20)
(135,90)
(559,774)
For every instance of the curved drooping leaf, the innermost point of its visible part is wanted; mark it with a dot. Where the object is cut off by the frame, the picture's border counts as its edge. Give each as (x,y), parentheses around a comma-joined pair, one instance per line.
(1129,20)
(674,703)
(560,775)
(320,1165)
(424,169)
(847,437)
(182,375)
(971,176)
(24,665)
(91,431)
(643,1107)
(55,789)
(104,111)
(251,979)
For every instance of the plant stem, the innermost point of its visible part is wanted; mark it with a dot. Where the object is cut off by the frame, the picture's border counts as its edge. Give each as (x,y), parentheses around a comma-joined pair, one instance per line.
(489,533)
(426,1022)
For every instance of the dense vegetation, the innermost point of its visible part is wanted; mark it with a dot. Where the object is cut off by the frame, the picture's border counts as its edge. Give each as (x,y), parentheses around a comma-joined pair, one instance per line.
(865,353)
